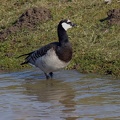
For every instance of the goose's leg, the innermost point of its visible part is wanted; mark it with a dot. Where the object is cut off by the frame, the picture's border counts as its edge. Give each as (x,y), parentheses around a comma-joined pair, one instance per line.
(51,74)
(47,76)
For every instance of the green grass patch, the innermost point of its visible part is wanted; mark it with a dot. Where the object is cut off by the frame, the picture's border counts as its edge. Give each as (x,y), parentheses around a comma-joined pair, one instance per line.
(96,45)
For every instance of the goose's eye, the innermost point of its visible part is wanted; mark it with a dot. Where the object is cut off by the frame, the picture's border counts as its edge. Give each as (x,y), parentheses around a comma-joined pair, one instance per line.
(68,22)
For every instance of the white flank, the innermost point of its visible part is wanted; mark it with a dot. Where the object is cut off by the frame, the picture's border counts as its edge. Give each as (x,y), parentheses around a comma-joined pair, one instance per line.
(50,62)
(66,26)
(31,64)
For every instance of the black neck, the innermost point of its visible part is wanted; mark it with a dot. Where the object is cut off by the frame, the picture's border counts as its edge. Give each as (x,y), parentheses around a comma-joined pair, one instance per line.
(62,35)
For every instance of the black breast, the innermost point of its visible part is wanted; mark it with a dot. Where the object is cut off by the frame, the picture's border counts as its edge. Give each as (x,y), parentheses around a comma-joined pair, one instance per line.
(64,52)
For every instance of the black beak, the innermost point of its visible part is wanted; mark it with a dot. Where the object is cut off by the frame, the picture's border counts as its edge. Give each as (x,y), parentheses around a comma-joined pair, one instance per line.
(73,24)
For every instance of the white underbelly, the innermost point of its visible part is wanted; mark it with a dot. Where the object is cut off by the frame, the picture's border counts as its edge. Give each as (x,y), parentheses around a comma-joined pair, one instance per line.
(50,62)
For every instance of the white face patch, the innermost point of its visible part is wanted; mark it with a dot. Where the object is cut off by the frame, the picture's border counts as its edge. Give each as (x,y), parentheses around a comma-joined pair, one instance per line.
(66,26)
(68,21)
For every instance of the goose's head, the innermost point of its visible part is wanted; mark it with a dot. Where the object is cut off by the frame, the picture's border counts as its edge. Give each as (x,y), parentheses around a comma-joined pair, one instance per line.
(66,24)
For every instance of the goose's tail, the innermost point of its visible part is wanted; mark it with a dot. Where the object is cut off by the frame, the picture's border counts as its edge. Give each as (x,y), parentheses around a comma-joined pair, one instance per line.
(26,61)
(25,54)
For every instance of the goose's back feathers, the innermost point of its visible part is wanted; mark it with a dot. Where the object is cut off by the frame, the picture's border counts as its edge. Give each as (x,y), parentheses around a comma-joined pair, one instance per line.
(33,56)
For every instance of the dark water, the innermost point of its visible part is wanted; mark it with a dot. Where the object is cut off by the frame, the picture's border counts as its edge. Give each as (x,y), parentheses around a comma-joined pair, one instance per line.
(69,96)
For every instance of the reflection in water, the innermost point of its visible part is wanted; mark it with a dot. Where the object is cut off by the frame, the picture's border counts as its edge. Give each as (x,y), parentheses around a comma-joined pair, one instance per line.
(69,96)
(51,90)
(54,91)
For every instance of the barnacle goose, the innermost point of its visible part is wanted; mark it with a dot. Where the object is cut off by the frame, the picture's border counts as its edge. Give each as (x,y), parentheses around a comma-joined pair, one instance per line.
(53,56)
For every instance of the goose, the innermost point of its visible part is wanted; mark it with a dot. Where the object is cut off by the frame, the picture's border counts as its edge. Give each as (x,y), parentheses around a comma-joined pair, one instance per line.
(53,56)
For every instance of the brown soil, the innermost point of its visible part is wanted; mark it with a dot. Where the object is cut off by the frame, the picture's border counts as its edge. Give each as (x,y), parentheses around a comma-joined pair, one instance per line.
(28,19)
(113,17)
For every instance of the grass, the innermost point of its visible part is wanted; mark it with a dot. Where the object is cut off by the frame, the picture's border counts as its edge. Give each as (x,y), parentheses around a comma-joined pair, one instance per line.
(96,46)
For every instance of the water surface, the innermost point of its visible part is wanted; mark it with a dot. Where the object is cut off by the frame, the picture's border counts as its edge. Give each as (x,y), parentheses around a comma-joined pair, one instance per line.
(70,95)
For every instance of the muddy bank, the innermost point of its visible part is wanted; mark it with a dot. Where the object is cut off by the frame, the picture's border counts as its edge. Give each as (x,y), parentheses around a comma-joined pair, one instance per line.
(28,19)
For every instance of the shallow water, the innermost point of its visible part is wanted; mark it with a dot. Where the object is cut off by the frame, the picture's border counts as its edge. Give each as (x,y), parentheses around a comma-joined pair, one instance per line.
(70,95)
